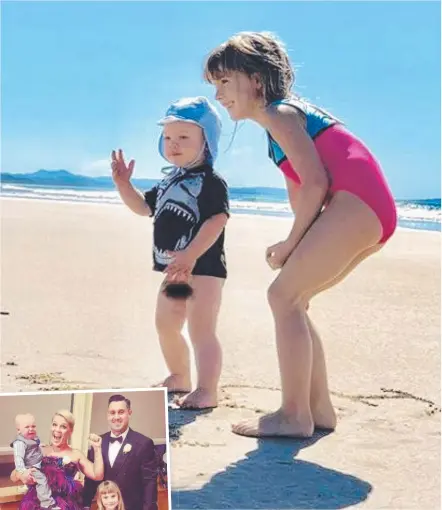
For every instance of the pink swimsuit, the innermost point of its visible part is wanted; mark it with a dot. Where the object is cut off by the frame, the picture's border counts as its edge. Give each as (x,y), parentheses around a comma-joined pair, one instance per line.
(349,163)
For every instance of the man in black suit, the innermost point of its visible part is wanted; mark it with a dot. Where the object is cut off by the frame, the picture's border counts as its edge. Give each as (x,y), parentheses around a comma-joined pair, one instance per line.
(129,460)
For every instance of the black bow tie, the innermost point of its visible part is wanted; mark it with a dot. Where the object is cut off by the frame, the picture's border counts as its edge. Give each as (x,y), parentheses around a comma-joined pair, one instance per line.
(119,439)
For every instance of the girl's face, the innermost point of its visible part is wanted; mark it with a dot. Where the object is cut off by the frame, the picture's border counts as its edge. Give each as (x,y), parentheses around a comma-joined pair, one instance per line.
(110,500)
(239,94)
(61,431)
(183,143)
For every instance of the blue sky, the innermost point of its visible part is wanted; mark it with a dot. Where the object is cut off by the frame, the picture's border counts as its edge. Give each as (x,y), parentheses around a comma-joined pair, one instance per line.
(82,78)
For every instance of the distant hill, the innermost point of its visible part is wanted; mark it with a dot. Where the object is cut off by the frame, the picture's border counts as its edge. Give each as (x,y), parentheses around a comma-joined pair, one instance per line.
(63,178)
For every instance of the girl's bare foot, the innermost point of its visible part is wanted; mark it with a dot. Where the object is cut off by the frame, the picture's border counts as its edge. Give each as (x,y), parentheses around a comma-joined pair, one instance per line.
(275,424)
(324,415)
(175,383)
(199,399)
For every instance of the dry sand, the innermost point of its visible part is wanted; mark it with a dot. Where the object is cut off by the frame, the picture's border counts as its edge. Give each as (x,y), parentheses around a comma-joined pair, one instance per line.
(77,308)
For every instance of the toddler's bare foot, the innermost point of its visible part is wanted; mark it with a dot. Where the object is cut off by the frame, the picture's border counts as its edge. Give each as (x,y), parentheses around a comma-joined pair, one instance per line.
(275,424)
(199,399)
(175,383)
(324,416)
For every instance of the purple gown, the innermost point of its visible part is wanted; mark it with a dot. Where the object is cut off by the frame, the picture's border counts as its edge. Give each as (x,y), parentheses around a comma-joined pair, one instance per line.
(65,490)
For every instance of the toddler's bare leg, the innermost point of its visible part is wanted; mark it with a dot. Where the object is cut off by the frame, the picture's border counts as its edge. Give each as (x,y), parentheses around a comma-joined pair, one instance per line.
(169,320)
(203,310)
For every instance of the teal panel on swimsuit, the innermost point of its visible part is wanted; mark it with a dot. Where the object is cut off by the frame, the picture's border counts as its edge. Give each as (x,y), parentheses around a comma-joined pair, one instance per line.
(317,120)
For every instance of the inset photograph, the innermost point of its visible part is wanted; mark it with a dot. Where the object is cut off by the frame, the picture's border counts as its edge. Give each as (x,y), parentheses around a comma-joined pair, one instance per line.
(93,450)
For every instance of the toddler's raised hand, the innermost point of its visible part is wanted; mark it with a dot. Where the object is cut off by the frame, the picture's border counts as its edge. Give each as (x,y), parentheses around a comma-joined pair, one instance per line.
(121,173)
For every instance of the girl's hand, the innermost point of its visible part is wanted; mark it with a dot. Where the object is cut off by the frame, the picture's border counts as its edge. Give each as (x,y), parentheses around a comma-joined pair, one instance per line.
(277,255)
(121,173)
(181,266)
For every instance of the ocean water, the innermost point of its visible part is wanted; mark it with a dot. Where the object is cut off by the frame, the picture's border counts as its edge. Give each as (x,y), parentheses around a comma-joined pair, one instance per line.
(422,214)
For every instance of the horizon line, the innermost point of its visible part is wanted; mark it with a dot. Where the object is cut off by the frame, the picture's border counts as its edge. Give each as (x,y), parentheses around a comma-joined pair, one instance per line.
(158,178)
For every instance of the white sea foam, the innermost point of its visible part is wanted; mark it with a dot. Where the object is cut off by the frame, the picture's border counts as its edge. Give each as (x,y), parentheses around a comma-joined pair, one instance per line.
(407,210)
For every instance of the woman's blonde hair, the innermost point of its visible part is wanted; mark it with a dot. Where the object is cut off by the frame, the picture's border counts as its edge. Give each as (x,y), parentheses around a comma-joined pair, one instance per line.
(68,416)
(109,487)
(254,53)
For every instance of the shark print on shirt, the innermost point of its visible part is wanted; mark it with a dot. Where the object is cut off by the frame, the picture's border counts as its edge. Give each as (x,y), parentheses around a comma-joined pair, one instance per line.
(181,203)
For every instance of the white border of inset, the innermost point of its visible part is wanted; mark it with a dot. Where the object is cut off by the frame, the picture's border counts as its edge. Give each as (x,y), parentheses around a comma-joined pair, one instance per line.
(115,390)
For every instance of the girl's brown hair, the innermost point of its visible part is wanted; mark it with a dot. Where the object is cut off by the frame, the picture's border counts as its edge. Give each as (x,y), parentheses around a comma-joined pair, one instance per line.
(107,487)
(254,53)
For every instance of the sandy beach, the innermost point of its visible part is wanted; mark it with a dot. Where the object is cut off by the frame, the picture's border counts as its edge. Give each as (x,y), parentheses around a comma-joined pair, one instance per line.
(77,303)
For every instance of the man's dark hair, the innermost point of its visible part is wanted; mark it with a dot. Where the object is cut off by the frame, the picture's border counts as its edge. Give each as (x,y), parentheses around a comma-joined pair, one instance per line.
(119,398)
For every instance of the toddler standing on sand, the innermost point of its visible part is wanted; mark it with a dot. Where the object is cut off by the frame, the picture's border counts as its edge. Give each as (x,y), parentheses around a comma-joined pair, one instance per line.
(190,210)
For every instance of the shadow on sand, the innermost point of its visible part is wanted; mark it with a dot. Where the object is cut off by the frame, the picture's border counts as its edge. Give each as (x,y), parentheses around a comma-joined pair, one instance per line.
(272,477)
(269,477)
(178,418)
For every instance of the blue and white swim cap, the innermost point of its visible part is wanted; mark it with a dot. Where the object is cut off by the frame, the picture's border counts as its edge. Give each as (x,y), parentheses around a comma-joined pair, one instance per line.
(199,111)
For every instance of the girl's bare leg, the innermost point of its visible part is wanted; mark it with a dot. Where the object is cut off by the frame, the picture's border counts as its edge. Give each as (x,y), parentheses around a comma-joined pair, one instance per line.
(344,230)
(321,406)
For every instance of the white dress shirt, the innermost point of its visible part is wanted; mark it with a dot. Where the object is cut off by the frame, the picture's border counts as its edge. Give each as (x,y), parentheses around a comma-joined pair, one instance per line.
(114,447)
